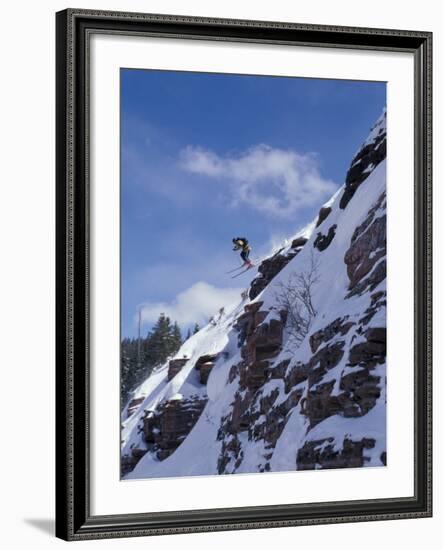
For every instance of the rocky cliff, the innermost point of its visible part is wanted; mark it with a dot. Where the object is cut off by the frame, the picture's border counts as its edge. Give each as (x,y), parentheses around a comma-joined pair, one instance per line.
(294,376)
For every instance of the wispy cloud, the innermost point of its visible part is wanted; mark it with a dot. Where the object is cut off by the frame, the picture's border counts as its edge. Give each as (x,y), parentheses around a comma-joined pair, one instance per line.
(196,304)
(274,181)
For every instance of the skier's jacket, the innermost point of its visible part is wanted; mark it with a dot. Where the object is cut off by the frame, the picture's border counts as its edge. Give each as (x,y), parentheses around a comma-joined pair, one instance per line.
(242,243)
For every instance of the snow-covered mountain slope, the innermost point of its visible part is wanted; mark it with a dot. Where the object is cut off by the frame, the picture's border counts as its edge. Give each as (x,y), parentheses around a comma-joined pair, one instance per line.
(294,376)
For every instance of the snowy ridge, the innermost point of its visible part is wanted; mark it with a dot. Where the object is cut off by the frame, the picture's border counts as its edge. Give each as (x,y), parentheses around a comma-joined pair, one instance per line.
(378,130)
(267,404)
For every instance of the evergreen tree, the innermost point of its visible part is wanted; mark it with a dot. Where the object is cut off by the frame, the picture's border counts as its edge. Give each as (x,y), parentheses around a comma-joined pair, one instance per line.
(161,342)
(176,335)
(196,328)
(130,367)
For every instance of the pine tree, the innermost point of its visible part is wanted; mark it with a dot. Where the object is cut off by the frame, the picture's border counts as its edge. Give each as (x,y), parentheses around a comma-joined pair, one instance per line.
(196,328)
(160,343)
(176,336)
(129,368)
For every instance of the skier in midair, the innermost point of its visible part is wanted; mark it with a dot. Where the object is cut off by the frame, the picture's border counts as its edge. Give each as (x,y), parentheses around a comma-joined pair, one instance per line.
(240,243)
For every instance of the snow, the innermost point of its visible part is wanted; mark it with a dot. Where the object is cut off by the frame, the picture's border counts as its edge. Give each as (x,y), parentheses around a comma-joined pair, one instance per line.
(218,377)
(198,454)
(176,397)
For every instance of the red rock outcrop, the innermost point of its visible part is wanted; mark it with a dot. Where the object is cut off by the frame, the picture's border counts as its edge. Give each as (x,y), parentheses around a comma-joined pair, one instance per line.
(367,158)
(270,267)
(322,453)
(323,241)
(366,251)
(323,214)
(134,405)
(175,366)
(339,326)
(260,341)
(165,428)
(128,462)
(204,365)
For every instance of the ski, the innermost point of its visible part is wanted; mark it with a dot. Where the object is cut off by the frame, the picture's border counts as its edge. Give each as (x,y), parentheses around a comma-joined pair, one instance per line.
(241,272)
(236,269)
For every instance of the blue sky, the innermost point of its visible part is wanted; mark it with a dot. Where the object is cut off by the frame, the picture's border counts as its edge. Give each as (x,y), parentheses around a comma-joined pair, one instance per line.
(208,157)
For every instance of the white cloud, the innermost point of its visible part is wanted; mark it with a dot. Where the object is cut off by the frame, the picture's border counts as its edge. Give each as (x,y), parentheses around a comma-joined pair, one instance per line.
(196,304)
(271,180)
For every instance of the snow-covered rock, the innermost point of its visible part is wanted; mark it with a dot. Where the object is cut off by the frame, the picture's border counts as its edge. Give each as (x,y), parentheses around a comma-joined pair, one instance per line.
(255,395)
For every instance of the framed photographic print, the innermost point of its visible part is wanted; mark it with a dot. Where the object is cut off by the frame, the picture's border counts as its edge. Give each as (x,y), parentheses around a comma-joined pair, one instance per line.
(243,274)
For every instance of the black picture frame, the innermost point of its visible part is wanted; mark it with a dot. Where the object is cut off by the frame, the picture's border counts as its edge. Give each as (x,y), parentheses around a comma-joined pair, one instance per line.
(74,521)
